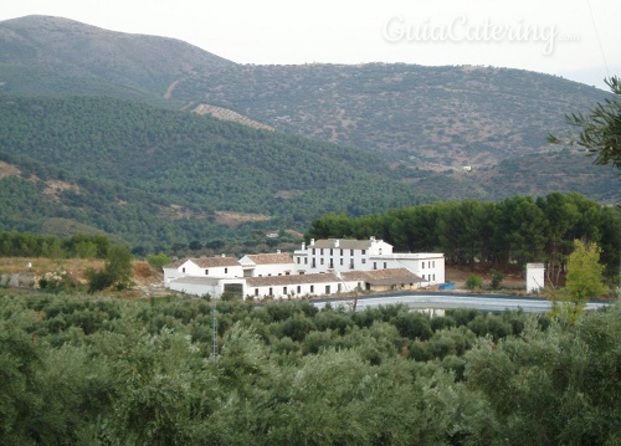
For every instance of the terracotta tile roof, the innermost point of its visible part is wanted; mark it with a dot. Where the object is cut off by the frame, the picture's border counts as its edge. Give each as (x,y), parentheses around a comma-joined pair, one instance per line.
(270,259)
(389,276)
(214,262)
(295,279)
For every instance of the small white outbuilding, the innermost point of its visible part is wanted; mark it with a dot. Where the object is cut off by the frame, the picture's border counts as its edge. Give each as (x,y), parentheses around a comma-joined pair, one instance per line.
(535,277)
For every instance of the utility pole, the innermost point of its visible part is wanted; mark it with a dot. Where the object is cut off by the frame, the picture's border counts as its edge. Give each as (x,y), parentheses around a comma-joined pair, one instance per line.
(214,332)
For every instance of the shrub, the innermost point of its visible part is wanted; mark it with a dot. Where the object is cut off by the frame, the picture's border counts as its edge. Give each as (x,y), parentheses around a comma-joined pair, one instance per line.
(474,282)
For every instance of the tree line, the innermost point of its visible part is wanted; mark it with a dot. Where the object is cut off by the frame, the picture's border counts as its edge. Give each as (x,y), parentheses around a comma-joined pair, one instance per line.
(515,230)
(26,244)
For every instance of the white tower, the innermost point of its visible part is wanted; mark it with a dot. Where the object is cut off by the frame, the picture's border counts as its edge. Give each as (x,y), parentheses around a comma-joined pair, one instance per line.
(535,273)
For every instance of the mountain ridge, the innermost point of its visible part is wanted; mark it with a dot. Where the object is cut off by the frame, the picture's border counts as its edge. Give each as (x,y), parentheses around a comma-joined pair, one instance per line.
(406,134)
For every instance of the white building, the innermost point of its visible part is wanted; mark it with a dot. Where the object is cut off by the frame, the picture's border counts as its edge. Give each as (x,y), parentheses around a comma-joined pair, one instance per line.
(293,286)
(328,284)
(201,286)
(367,255)
(339,254)
(324,267)
(213,267)
(535,276)
(265,265)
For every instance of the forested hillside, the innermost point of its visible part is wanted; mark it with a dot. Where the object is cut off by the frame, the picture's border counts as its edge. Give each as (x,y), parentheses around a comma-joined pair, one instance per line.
(155,176)
(513,231)
(429,122)
(92,371)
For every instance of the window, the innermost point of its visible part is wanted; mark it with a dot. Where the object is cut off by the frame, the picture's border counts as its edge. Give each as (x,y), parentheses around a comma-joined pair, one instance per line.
(183,269)
(321,261)
(270,292)
(351,252)
(341,262)
(298,260)
(256,291)
(364,251)
(284,290)
(374,265)
(341,252)
(331,251)
(331,263)
(434,263)
(312,288)
(299,289)
(434,277)
(327,289)
(206,272)
(314,264)
(364,261)
(314,251)
(385,265)
(351,264)
(321,252)
(226,270)
(305,260)
(423,265)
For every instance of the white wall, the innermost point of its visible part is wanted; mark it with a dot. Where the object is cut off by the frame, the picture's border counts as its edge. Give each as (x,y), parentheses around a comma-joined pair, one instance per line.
(535,277)
(296,291)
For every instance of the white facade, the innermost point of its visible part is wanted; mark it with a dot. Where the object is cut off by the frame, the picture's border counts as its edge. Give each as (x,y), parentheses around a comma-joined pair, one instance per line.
(266,265)
(428,266)
(344,255)
(339,254)
(213,267)
(201,286)
(324,267)
(535,277)
(294,286)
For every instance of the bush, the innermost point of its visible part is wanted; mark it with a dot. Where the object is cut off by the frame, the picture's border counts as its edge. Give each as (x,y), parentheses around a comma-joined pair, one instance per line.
(474,282)
(57,283)
(497,279)
(159,260)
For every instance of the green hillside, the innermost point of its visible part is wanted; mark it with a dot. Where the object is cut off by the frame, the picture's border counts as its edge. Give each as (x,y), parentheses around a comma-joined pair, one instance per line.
(154,175)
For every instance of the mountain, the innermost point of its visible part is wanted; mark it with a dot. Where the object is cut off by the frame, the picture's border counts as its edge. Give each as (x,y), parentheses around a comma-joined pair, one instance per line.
(73,58)
(146,169)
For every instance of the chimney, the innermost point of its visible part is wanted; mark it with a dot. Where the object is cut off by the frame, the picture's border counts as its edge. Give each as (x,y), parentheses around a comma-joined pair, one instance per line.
(303,246)
(223,255)
(372,238)
(278,251)
(337,242)
(312,242)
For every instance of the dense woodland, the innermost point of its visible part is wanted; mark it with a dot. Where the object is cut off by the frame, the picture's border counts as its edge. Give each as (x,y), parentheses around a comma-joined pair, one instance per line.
(108,372)
(155,176)
(516,230)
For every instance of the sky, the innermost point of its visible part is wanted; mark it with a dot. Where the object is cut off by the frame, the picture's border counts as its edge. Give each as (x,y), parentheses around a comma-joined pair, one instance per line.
(576,39)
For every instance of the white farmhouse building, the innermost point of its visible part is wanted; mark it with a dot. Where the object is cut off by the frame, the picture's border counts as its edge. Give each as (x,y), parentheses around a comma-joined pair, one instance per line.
(324,267)
(294,286)
(339,254)
(367,255)
(265,265)
(213,267)
(201,286)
